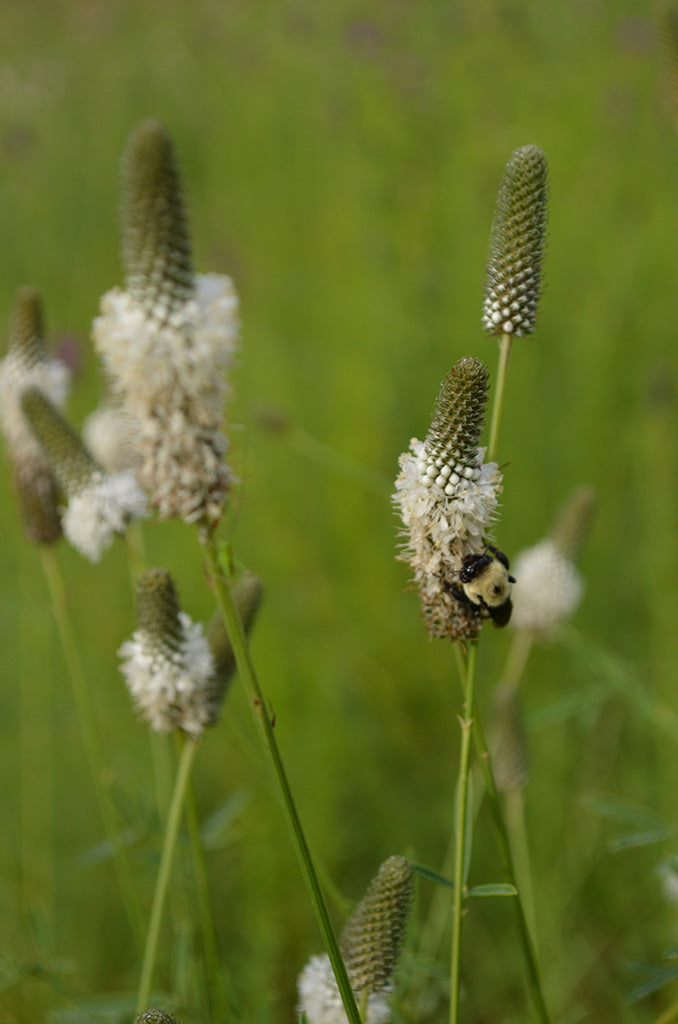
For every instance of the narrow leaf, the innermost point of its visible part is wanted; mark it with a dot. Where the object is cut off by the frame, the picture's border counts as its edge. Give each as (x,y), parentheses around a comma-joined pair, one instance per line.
(493,889)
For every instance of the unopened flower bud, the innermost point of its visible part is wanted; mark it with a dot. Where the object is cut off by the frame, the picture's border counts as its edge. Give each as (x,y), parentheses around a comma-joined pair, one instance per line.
(517,240)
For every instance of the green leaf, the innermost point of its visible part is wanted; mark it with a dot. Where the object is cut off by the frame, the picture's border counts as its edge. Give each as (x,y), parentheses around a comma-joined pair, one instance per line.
(656,978)
(636,839)
(622,810)
(493,889)
(432,876)
(113,1009)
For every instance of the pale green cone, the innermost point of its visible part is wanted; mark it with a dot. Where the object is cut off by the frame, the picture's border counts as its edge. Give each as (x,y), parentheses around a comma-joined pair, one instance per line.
(156,244)
(517,243)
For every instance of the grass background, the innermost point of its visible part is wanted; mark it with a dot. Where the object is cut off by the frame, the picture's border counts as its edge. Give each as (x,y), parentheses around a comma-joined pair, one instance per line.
(341,163)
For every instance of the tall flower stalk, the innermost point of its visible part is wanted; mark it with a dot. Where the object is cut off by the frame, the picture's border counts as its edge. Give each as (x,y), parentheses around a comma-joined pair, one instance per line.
(167,341)
(447,496)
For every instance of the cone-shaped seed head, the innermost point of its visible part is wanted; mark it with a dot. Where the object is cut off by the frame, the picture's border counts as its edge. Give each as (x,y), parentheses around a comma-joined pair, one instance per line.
(158,610)
(155,1017)
(372,940)
(510,759)
(459,414)
(574,521)
(517,240)
(71,463)
(26,331)
(155,238)
(38,497)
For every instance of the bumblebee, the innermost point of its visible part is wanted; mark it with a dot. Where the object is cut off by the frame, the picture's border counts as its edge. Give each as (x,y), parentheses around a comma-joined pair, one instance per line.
(485,585)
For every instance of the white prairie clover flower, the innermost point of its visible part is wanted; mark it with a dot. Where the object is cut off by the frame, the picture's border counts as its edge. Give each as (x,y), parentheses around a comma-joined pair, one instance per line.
(27,365)
(549,587)
(100,505)
(168,664)
(514,268)
(371,945)
(447,498)
(168,340)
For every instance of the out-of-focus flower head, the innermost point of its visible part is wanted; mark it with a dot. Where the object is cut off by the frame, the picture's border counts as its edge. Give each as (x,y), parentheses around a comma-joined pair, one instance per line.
(168,339)
(100,505)
(548,585)
(28,365)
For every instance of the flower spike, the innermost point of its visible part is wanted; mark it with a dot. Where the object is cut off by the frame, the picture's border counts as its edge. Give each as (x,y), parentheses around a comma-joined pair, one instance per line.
(517,240)
(447,497)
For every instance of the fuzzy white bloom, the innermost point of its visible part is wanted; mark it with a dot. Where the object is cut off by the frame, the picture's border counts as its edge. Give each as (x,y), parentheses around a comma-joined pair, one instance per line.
(171,377)
(171,688)
(99,510)
(448,510)
(319,996)
(108,432)
(19,371)
(547,590)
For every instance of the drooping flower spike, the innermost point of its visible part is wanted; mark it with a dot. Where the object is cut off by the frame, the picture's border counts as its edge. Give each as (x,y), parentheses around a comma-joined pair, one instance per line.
(447,497)
(168,339)
(100,505)
(28,365)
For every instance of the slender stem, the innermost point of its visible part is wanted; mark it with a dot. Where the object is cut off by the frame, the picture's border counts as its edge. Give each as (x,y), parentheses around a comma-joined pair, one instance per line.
(498,405)
(209,936)
(533,977)
(669,1016)
(249,678)
(165,871)
(462,802)
(515,823)
(91,738)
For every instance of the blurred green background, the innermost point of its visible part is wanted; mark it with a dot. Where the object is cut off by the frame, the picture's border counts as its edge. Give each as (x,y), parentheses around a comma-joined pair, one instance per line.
(341,162)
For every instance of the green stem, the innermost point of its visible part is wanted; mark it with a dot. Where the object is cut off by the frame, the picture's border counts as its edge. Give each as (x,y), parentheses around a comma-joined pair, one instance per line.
(90,738)
(533,977)
(460,829)
(669,1016)
(209,937)
(165,871)
(498,405)
(248,676)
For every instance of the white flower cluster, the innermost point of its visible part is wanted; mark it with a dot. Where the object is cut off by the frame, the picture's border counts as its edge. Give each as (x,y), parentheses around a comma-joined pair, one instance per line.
(171,688)
(319,996)
(447,507)
(20,370)
(100,510)
(171,378)
(548,588)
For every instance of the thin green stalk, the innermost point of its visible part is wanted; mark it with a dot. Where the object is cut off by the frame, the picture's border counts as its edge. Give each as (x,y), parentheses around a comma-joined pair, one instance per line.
(165,871)
(498,405)
(460,830)
(515,823)
(215,986)
(91,739)
(669,1016)
(533,976)
(248,676)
